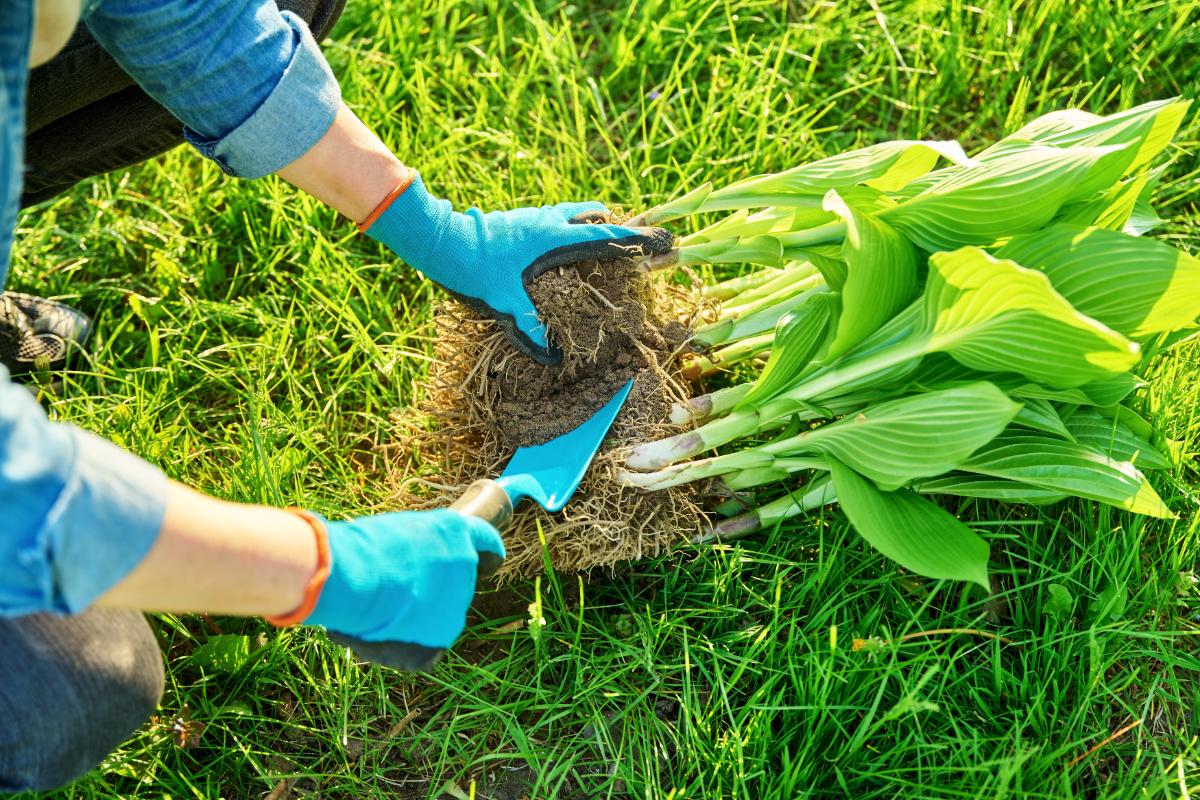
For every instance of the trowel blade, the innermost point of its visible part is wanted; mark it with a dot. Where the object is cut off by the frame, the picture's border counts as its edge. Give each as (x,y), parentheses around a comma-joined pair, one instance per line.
(550,472)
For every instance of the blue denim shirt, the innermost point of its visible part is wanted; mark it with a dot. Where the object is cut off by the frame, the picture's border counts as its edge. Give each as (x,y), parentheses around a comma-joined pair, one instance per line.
(78,513)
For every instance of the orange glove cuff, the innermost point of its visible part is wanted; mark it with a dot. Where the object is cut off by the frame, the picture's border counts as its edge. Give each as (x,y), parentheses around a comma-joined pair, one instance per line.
(312,591)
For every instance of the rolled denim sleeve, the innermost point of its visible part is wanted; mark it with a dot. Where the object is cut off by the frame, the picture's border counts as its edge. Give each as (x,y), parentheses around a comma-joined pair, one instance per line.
(248,81)
(77,513)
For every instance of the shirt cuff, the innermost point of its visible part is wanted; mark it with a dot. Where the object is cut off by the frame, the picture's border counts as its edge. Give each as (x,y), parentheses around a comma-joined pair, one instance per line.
(295,115)
(104,522)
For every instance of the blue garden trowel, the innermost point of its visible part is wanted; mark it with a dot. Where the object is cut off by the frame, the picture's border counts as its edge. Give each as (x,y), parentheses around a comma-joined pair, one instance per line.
(549,473)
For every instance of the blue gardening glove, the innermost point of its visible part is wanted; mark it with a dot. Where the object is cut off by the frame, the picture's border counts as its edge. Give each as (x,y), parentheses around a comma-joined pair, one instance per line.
(400,584)
(488,260)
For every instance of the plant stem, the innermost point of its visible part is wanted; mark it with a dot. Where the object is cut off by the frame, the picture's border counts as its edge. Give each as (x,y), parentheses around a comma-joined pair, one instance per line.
(709,405)
(744,283)
(729,199)
(781,469)
(765,250)
(809,497)
(760,317)
(655,455)
(729,355)
(798,279)
(673,209)
(695,470)
(829,233)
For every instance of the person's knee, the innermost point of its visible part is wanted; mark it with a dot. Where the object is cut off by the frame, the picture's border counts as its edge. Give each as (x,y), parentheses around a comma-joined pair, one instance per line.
(73,746)
(72,715)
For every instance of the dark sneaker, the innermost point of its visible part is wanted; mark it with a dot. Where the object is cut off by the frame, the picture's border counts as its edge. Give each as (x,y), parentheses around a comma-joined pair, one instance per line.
(37,334)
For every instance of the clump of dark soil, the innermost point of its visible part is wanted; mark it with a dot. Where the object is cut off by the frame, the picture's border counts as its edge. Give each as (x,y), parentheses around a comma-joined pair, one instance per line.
(597,315)
(613,321)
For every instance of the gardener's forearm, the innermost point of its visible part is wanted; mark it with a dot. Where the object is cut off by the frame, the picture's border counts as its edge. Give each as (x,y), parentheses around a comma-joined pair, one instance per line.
(348,169)
(221,558)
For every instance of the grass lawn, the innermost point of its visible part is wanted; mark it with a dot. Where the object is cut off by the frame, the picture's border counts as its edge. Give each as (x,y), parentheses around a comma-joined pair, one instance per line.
(253,345)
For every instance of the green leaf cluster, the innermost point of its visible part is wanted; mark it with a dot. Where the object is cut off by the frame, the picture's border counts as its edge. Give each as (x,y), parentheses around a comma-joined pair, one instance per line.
(971,330)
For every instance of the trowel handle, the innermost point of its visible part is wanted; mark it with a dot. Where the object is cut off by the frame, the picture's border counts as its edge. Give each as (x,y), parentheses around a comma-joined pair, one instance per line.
(486,499)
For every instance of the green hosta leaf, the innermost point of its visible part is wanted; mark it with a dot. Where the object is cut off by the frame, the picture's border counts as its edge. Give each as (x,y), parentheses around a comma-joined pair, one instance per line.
(1039,415)
(1098,393)
(1111,209)
(884,167)
(1144,218)
(927,181)
(913,437)
(893,334)
(1114,440)
(1149,127)
(1060,122)
(1067,467)
(940,371)
(910,530)
(828,259)
(863,199)
(995,315)
(964,484)
(881,279)
(1129,418)
(1018,191)
(798,336)
(1133,285)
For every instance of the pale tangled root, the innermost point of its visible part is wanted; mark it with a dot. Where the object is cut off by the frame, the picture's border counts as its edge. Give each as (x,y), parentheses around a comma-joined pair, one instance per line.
(454,436)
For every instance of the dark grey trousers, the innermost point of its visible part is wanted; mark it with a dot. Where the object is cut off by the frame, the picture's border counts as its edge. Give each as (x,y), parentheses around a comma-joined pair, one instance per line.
(71,690)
